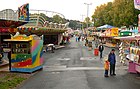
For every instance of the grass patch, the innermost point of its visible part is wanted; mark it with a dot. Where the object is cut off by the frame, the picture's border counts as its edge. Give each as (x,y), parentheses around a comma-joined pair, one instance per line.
(11,80)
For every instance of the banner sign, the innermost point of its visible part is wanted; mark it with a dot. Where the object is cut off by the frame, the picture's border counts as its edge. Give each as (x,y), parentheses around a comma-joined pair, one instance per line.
(114,32)
(23,12)
(137,4)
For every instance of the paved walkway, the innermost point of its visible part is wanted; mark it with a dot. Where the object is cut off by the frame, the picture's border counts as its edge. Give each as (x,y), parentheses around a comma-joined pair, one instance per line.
(74,67)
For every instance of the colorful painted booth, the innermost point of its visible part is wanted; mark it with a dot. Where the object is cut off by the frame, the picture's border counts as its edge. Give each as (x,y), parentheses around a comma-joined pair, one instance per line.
(26,53)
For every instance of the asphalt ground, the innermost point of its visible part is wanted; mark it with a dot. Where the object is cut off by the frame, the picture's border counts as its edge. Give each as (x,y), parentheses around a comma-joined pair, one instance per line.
(74,67)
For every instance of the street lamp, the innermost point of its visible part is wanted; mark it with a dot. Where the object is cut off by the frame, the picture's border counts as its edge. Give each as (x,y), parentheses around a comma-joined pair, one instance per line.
(82,21)
(87,10)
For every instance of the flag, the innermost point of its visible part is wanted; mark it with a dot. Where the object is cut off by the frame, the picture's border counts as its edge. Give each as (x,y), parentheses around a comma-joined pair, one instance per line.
(137,4)
(23,12)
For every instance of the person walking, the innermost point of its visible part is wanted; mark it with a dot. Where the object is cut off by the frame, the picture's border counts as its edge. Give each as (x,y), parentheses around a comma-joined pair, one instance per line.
(101,48)
(86,41)
(112,60)
(76,38)
(79,38)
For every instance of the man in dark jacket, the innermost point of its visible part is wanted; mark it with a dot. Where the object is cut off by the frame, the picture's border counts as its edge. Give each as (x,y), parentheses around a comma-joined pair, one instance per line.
(101,48)
(112,60)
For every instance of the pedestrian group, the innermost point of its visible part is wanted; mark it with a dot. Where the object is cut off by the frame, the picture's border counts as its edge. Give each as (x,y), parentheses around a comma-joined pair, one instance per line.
(110,61)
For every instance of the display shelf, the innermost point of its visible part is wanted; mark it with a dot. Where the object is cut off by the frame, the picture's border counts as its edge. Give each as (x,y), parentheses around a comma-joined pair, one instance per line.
(134,51)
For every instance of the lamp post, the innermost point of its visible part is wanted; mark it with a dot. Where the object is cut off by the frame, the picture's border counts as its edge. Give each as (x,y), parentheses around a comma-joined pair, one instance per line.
(87,10)
(82,20)
(82,28)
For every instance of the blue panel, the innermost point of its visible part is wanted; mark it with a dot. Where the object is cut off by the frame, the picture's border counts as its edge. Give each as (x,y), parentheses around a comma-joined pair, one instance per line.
(34,58)
(26,69)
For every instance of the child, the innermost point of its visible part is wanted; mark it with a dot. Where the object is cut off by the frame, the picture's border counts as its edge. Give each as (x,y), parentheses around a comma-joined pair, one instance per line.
(106,66)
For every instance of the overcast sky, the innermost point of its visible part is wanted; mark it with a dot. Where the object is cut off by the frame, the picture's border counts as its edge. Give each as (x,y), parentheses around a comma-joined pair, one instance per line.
(71,9)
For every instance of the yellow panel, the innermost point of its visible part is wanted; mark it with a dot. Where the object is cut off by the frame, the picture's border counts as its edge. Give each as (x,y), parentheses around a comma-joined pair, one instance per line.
(114,32)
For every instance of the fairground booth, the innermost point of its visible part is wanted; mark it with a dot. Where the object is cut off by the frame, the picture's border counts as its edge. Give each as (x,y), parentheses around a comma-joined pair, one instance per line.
(52,32)
(130,49)
(50,35)
(26,53)
(108,35)
(9,21)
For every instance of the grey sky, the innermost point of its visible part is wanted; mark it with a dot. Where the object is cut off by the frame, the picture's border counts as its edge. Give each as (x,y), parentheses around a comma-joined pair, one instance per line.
(71,9)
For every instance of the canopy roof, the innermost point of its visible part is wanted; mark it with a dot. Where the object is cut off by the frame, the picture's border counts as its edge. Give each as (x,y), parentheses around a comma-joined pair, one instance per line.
(19,38)
(23,37)
(129,38)
(105,26)
(125,31)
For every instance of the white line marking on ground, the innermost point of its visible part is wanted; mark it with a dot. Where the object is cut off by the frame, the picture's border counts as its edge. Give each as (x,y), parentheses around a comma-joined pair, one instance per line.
(77,68)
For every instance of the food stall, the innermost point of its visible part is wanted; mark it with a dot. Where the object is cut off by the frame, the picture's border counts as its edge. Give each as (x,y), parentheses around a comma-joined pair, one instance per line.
(130,47)
(26,53)
(108,37)
(135,58)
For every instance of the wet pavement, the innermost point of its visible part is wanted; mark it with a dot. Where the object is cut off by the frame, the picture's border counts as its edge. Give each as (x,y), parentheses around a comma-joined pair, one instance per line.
(74,67)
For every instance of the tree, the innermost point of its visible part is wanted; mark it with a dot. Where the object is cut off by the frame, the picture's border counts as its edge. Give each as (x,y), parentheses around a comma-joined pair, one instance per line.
(87,21)
(74,24)
(117,13)
(57,19)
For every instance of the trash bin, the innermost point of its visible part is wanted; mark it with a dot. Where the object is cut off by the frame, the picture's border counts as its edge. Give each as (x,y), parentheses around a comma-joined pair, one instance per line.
(96,52)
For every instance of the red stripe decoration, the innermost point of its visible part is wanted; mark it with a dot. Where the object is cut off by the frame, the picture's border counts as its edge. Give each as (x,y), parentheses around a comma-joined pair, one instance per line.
(24,64)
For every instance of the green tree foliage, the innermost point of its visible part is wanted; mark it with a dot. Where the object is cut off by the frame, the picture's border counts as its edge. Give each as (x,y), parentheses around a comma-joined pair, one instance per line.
(74,24)
(57,19)
(117,13)
(87,21)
